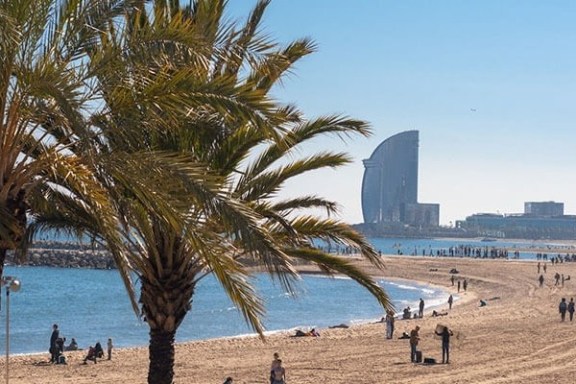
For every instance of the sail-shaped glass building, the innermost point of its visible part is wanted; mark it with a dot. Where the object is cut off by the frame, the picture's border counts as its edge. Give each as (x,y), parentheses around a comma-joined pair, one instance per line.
(390,184)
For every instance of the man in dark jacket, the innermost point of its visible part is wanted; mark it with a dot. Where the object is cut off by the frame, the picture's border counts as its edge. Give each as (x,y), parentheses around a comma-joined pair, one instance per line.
(54,350)
(445,334)
(562,308)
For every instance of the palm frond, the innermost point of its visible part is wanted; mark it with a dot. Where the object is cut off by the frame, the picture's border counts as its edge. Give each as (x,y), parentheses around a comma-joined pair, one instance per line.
(331,264)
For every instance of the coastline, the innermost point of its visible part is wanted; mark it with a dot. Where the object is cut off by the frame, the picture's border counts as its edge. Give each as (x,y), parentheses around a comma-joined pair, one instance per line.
(517,338)
(72,254)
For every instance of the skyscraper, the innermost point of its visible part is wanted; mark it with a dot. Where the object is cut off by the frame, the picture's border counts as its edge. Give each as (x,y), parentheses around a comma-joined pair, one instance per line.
(390,184)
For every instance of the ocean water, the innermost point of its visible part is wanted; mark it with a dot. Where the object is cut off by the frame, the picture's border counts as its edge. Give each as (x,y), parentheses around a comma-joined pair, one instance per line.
(92,305)
(527,249)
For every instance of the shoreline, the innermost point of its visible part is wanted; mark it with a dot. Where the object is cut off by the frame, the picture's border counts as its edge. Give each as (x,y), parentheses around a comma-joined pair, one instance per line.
(408,292)
(516,338)
(71,254)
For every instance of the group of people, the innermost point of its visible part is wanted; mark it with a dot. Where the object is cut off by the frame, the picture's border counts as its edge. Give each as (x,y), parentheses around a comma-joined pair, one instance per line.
(463,283)
(96,352)
(442,331)
(564,307)
(57,348)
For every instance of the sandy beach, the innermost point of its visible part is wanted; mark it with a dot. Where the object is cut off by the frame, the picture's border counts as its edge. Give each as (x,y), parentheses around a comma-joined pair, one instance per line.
(516,338)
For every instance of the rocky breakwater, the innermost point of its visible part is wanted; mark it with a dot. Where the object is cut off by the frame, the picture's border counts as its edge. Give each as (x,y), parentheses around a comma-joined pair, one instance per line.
(65,255)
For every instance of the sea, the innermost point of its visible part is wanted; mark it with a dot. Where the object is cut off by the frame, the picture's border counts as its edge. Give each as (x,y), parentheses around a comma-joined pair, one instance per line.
(92,305)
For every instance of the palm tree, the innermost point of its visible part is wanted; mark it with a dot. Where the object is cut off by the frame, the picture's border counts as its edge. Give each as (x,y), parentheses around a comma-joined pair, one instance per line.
(180,109)
(42,96)
(185,104)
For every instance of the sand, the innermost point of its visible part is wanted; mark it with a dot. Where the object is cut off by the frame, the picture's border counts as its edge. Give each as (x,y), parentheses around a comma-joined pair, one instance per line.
(517,338)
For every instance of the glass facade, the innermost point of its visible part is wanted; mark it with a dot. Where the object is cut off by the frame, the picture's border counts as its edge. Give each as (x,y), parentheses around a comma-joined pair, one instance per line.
(391,178)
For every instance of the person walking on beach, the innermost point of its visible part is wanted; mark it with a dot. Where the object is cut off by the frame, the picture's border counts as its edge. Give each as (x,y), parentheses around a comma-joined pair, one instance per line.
(54,350)
(278,373)
(421,308)
(458,286)
(445,334)
(541,280)
(557,279)
(109,348)
(571,308)
(414,338)
(389,324)
(275,363)
(450,300)
(452,280)
(465,285)
(562,308)
(538,267)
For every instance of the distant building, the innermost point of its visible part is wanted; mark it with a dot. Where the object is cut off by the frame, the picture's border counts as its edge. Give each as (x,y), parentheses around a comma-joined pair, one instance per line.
(540,220)
(546,208)
(390,184)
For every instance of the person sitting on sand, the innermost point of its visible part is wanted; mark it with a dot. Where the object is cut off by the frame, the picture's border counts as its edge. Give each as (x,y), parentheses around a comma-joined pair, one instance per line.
(405,335)
(98,350)
(73,346)
(406,313)
(91,355)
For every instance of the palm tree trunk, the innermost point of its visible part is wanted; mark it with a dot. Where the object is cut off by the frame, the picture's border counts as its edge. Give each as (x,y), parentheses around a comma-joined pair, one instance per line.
(3,252)
(161,354)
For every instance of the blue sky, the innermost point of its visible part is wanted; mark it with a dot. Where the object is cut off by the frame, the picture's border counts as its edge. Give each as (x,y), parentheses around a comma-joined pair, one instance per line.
(490,85)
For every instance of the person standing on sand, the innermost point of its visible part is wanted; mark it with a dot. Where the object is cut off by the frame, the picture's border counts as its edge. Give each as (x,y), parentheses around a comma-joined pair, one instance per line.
(275,363)
(450,300)
(562,308)
(458,286)
(389,324)
(53,346)
(557,279)
(452,280)
(421,308)
(109,348)
(541,280)
(278,374)
(465,285)
(445,334)
(414,338)
(571,308)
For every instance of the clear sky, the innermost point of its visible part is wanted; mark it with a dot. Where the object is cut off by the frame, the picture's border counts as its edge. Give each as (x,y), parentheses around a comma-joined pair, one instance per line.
(490,85)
